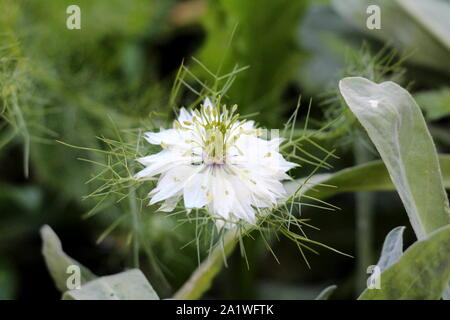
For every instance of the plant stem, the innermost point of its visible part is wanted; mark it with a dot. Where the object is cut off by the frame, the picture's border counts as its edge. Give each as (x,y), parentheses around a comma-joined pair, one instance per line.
(364,223)
(201,280)
(136,226)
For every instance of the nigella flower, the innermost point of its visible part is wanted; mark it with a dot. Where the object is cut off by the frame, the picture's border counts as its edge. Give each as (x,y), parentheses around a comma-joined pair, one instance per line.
(213,160)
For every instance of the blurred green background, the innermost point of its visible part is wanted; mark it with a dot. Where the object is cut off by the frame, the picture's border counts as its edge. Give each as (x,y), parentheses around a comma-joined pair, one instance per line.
(74,85)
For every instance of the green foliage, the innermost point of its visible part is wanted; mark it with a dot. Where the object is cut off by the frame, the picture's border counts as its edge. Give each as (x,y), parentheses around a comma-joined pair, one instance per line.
(90,94)
(65,88)
(435,103)
(370,176)
(413,26)
(240,32)
(128,285)
(201,280)
(391,117)
(392,248)
(8,281)
(422,272)
(58,261)
(326,293)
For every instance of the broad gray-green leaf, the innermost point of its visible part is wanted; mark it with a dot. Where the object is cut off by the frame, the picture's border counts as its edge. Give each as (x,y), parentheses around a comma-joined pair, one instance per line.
(371,176)
(414,26)
(433,15)
(128,285)
(392,248)
(58,261)
(422,272)
(396,127)
(326,293)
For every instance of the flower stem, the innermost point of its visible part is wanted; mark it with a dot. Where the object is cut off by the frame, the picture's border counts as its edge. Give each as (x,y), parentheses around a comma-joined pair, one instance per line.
(201,280)
(136,226)
(364,224)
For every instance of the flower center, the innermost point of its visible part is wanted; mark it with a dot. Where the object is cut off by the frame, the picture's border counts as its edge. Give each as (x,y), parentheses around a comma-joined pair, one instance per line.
(215,131)
(215,144)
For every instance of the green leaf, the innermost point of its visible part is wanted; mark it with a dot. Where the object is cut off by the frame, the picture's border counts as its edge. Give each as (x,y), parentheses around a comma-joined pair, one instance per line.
(57,260)
(392,248)
(435,103)
(128,285)
(422,272)
(433,15)
(417,27)
(398,130)
(273,59)
(371,176)
(326,293)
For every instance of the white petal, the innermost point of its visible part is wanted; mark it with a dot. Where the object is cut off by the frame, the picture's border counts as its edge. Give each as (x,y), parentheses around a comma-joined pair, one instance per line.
(243,204)
(169,136)
(207,103)
(172,182)
(184,115)
(170,203)
(196,190)
(162,156)
(161,167)
(222,193)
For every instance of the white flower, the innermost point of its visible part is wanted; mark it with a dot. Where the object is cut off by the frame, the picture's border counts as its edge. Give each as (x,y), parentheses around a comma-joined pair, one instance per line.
(213,160)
